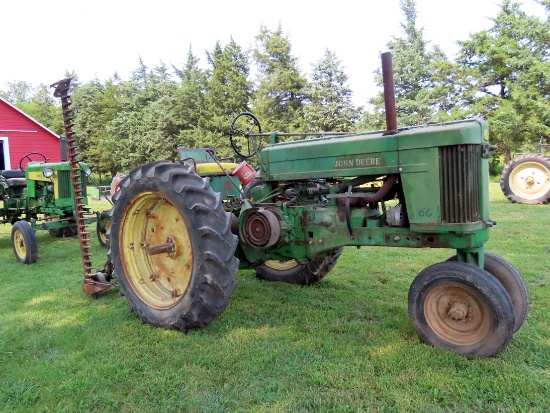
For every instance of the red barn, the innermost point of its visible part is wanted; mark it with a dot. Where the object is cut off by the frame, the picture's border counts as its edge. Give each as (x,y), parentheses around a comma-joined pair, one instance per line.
(20,134)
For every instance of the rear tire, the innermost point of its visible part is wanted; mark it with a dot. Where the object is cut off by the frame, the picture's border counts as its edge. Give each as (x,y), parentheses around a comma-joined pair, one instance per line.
(461,308)
(526,179)
(294,273)
(24,243)
(167,207)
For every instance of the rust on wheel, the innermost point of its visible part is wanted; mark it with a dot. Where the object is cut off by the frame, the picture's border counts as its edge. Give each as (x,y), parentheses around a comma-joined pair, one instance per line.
(462,308)
(155,250)
(456,314)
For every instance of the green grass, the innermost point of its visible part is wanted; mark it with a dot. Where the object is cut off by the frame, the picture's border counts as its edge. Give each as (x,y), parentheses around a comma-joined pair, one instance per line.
(343,345)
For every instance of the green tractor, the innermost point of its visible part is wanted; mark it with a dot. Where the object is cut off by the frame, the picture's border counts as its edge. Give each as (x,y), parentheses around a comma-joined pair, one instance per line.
(40,196)
(179,231)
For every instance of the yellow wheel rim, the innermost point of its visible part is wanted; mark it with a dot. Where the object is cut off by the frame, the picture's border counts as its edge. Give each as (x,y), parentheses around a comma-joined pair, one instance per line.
(456,314)
(530,180)
(281,265)
(103,235)
(19,244)
(155,250)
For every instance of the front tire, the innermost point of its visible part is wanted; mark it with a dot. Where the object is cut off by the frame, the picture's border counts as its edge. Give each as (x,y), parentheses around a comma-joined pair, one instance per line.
(461,308)
(24,243)
(526,179)
(513,283)
(294,273)
(172,247)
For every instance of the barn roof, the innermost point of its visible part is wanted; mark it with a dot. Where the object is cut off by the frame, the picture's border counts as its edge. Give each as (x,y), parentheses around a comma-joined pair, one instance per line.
(26,116)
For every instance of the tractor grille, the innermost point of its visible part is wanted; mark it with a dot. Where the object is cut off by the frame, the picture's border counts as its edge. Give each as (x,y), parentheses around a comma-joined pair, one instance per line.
(64,182)
(65,187)
(459,181)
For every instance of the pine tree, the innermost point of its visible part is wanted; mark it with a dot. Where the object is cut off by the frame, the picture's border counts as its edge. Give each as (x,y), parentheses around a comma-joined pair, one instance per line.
(330,107)
(228,92)
(280,94)
(507,77)
(423,79)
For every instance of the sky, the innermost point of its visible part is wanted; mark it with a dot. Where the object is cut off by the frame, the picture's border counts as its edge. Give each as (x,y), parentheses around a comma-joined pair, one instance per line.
(42,39)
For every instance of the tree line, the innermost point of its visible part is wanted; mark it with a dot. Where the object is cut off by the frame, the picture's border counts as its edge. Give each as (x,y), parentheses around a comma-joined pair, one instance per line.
(501,74)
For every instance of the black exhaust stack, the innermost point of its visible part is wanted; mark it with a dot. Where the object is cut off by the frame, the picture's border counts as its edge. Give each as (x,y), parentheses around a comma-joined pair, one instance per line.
(389,94)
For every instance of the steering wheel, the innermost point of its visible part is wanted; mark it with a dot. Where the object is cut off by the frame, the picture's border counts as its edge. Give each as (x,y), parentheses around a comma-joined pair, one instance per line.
(244,134)
(28,156)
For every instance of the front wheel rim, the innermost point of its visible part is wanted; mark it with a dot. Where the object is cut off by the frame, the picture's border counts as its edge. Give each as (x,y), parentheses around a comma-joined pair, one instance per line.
(530,180)
(155,250)
(19,244)
(456,314)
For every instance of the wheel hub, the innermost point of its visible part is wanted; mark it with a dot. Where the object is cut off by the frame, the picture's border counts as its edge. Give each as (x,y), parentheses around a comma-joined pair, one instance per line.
(456,314)
(458,311)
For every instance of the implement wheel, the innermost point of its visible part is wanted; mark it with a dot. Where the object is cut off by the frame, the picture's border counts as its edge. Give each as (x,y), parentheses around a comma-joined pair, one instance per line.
(23,240)
(172,247)
(294,273)
(526,179)
(462,308)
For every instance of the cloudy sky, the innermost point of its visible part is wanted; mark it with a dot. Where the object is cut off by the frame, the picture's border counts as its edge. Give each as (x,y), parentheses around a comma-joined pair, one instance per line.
(42,39)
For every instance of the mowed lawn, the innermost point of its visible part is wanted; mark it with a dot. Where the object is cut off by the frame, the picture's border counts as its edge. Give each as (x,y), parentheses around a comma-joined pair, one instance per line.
(343,345)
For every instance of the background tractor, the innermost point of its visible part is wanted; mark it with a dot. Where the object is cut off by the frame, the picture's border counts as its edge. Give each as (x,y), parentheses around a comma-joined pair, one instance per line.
(179,231)
(526,178)
(39,196)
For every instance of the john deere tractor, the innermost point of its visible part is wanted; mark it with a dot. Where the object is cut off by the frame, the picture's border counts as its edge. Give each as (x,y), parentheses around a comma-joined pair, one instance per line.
(179,231)
(39,196)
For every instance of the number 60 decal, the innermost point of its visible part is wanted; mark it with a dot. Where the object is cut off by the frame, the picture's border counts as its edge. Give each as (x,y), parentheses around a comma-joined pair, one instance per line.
(425,212)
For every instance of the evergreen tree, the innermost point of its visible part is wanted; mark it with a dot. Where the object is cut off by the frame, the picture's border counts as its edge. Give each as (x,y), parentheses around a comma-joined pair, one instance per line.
(423,77)
(17,92)
(228,92)
(189,104)
(507,77)
(280,94)
(96,106)
(330,107)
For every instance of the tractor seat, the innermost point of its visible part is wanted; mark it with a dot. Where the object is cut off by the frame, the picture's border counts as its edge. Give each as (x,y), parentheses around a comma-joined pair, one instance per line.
(15,178)
(16,182)
(15,173)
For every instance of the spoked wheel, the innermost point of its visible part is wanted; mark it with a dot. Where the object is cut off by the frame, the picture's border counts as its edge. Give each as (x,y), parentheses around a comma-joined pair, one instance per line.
(294,273)
(526,179)
(102,227)
(462,308)
(31,158)
(513,283)
(23,240)
(244,134)
(172,247)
